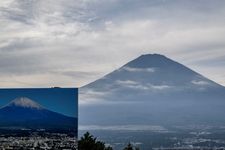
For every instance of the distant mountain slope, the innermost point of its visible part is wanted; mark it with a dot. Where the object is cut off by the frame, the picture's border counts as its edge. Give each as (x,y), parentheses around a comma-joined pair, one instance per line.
(25,113)
(152,89)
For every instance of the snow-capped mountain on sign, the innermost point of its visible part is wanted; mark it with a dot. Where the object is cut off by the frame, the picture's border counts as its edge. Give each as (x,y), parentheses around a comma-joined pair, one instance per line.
(26,113)
(25,103)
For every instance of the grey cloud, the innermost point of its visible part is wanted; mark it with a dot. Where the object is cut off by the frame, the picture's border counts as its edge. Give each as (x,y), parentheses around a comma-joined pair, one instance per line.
(163,10)
(16,64)
(90,96)
(87,39)
(49,11)
(217,61)
(75,74)
(20,44)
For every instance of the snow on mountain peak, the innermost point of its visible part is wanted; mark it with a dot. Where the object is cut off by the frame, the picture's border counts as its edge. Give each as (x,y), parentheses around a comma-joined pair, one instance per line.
(25,102)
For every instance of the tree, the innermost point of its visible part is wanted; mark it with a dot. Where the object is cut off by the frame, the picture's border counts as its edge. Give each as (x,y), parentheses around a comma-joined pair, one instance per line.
(88,142)
(130,147)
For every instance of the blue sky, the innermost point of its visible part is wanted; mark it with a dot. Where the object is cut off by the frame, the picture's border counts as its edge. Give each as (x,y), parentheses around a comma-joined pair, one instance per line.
(61,100)
(47,43)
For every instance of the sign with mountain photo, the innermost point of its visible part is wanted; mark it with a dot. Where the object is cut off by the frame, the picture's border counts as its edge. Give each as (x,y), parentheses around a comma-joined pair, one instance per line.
(34,118)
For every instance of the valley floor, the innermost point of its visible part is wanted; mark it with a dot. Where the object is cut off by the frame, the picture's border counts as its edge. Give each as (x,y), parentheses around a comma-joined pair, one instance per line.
(175,138)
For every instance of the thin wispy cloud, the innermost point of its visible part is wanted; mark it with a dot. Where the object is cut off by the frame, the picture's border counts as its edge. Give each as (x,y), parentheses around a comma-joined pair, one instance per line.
(141,86)
(58,43)
(132,69)
(201,83)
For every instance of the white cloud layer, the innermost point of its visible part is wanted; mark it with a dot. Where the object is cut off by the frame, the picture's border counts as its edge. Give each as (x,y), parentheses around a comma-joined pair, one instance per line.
(141,86)
(201,83)
(49,43)
(132,69)
(90,96)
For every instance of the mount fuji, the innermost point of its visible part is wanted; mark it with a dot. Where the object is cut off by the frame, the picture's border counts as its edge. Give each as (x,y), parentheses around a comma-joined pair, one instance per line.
(152,90)
(23,112)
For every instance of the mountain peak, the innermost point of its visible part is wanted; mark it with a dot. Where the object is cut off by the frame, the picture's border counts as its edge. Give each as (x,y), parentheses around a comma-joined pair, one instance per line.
(152,60)
(153,55)
(25,103)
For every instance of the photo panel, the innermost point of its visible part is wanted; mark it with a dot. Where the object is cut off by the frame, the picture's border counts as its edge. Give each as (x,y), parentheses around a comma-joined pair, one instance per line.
(32,118)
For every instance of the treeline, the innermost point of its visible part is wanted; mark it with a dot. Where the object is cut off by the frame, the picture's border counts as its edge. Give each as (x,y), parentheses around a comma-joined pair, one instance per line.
(89,142)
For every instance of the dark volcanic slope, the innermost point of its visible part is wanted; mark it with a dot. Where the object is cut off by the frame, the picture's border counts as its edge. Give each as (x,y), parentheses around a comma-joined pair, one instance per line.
(152,89)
